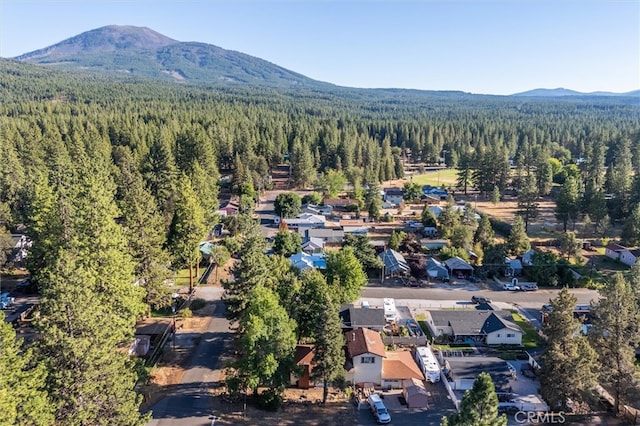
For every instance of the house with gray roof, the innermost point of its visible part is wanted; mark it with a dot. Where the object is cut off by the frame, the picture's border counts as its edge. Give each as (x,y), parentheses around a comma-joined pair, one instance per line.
(477,326)
(436,270)
(512,267)
(312,245)
(458,267)
(353,317)
(394,263)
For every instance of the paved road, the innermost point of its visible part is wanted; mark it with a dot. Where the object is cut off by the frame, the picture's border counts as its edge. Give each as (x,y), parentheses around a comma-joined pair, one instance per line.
(189,404)
(527,300)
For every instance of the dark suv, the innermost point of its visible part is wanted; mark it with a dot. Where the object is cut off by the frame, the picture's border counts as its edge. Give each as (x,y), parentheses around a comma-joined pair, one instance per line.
(480,299)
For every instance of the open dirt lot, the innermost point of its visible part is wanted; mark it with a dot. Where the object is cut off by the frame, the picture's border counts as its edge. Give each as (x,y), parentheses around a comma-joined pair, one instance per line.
(300,408)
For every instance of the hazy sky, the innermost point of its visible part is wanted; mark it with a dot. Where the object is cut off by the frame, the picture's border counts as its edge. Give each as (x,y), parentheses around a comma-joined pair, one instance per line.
(478,46)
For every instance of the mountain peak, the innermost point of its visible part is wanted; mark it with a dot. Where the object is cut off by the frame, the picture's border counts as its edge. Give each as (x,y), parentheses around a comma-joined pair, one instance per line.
(126,50)
(110,38)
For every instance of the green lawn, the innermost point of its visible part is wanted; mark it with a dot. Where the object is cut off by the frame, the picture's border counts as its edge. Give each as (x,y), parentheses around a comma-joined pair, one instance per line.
(182,277)
(530,338)
(446,177)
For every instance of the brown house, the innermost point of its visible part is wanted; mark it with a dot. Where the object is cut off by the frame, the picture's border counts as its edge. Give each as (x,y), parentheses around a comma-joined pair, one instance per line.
(303,359)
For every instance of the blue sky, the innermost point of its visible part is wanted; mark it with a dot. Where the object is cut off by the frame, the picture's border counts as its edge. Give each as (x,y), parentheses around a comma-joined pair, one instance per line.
(478,46)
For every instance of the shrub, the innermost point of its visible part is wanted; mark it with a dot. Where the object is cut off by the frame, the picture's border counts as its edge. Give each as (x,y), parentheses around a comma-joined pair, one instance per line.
(197,304)
(185,313)
(270,400)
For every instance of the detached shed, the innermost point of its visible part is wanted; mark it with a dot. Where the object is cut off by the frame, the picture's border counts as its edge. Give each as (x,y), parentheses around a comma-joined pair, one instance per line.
(415,394)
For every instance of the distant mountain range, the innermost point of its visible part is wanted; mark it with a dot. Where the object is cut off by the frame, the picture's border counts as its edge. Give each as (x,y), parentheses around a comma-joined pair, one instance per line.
(566,92)
(142,52)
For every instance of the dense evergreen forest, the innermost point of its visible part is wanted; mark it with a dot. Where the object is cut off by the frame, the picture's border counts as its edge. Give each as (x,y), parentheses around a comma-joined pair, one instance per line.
(130,169)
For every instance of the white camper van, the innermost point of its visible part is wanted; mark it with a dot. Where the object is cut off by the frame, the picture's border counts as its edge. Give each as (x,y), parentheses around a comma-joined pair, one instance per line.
(378,409)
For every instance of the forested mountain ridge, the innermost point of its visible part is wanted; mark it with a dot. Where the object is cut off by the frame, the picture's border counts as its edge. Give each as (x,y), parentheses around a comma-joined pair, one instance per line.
(559,92)
(143,52)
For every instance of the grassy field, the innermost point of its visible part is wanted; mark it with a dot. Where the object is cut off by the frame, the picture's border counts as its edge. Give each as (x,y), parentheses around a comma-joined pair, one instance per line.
(446,177)
(530,338)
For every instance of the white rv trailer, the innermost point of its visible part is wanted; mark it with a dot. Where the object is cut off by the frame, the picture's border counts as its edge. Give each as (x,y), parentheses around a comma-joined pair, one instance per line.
(428,363)
(390,313)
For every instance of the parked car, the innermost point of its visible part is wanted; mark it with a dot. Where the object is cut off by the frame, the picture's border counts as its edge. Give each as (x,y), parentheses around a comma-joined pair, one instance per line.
(378,409)
(528,287)
(480,299)
(511,287)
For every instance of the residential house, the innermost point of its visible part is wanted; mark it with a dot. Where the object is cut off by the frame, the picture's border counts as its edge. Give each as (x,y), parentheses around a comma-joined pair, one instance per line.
(353,317)
(365,352)
(394,195)
(394,263)
(430,231)
(305,220)
(436,270)
(433,245)
(317,210)
(433,191)
(229,208)
(482,326)
(341,204)
(436,210)
(303,359)
(464,370)
(512,267)
(398,366)
(527,257)
(458,267)
(304,261)
(312,245)
(369,365)
(327,234)
(623,254)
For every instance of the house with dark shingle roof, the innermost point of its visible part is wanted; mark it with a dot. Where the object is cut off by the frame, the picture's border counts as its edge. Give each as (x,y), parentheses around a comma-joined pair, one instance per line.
(353,317)
(479,326)
(394,263)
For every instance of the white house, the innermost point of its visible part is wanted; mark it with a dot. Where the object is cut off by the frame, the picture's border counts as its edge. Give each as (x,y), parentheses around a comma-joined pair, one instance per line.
(622,254)
(365,352)
(306,220)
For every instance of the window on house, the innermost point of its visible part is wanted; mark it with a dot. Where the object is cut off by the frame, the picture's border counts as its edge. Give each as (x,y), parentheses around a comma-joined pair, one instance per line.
(497,335)
(511,335)
(368,360)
